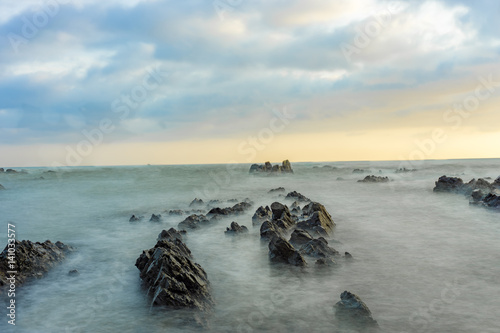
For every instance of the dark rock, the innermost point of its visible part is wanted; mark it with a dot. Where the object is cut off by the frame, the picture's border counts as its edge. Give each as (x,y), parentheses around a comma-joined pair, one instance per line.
(279,189)
(236,229)
(134,218)
(319,223)
(171,235)
(496,183)
(1,187)
(2,170)
(193,222)
(269,230)
(404,170)
(296,210)
(449,184)
(73,272)
(281,221)
(295,204)
(31,260)
(374,179)
(262,214)
(360,171)
(477,197)
(220,211)
(325,262)
(300,237)
(155,218)
(232,200)
(196,202)
(11,171)
(492,201)
(480,184)
(285,167)
(279,210)
(347,255)
(297,196)
(352,310)
(176,212)
(282,251)
(236,209)
(214,202)
(172,278)
(241,207)
(318,248)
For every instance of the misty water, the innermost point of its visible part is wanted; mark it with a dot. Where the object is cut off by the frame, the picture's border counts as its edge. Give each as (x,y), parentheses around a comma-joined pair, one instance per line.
(423,262)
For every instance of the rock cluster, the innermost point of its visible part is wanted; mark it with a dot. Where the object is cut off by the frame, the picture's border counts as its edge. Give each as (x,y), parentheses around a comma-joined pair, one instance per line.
(171,276)
(374,179)
(236,209)
(294,195)
(285,167)
(194,222)
(262,214)
(236,229)
(351,310)
(31,260)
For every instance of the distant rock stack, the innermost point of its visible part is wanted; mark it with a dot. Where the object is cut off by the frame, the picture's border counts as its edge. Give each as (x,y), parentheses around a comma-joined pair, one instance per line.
(267,167)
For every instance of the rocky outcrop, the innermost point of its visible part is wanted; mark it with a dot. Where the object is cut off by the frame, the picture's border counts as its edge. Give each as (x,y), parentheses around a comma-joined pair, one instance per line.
(30,260)
(171,234)
(318,248)
(281,222)
(480,191)
(2,170)
(282,251)
(279,189)
(285,167)
(353,312)
(196,203)
(297,196)
(155,218)
(239,208)
(319,222)
(491,201)
(171,276)
(11,171)
(175,212)
(134,218)
(300,237)
(194,222)
(262,214)
(236,229)
(449,184)
(374,179)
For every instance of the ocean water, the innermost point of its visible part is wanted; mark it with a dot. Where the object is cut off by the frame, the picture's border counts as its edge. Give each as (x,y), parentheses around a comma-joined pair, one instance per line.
(423,262)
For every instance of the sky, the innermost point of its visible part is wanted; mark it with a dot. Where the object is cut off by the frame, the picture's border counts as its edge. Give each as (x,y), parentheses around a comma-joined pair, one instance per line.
(128,82)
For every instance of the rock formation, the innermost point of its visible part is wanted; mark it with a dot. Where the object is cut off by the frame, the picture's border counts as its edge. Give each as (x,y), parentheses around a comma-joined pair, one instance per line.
(374,179)
(285,167)
(351,310)
(282,251)
(236,229)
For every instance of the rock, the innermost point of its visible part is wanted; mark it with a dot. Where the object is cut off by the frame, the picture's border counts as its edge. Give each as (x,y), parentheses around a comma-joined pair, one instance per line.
(172,278)
(404,170)
(279,189)
(352,310)
(196,202)
(1,187)
(134,218)
(449,184)
(285,167)
(480,184)
(374,179)
(281,221)
(155,218)
(318,248)
(236,229)
(2,170)
(297,196)
(360,171)
(193,222)
(325,262)
(232,200)
(176,212)
(477,197)
(262,214)
(241,207)
(73,272)
(31,260)
(236,209)
(220,211)
(295,204)
(214,202)
(282,251)
(171,235)
(496,183)
(269,230)
(319,223)
(347,255)
(11,171)
(300,237)
(491,201)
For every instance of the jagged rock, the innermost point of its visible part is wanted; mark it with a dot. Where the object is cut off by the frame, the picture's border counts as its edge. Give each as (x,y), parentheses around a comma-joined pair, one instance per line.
(352,310)
(171,235)
(347,255)
(236,229)
(172,278)
(262,214)
(449,184)
(491,201)
(374,179)
(220,211)
(241,207)
(155,218)
(282,251)
(11,171)
(176,212)
(196,202)
(300,237)
(319,223)
(232,200)
(477,197)
(214,202)
(295,204)
(297,196)
(134,218)
(496,183)
(279,189)
(285,167)
(73,272)
(480,184)
(325,262)
(318,248)
(31,260)
(193,222)
(269,230)
(236,209)
(281,221)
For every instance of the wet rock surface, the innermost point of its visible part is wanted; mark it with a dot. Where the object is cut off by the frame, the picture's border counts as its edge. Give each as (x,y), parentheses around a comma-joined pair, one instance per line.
(352,311)
(31,260)
(171,276)
(319,222)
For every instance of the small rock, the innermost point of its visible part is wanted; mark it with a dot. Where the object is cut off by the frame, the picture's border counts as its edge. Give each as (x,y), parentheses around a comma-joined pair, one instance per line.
(279,189)
(193,222)
(73,272)
(325,262)
(196,202)
(236,229)
(155,218)
(282,251)
(354,311)
(318,248)
(176,212)
(374,179)
(134,218)
(297,196)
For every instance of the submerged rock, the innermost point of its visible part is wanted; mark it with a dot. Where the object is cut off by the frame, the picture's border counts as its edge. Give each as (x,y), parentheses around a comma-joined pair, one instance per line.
(279,189)
(353,311)
(30,260)
(134,218)
(374,179)
(73,272)
(172,278)
(1,187)
(236,209)
(176,212)
(404,170)
(196,202)
(262,214)
(155,218)
(236,229)
(282,251)
(297,196)
(193,222)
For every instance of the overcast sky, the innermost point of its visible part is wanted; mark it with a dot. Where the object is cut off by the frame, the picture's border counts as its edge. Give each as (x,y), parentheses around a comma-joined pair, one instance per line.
(88,82)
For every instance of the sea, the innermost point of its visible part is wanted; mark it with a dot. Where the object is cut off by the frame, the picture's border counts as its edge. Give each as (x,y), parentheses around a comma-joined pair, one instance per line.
(422,261)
